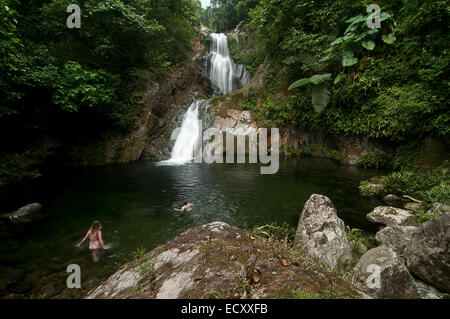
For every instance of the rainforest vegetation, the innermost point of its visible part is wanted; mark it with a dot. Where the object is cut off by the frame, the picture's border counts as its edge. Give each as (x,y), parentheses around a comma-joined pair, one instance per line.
(365,76)
(323,68)
(114,90)
(83,82)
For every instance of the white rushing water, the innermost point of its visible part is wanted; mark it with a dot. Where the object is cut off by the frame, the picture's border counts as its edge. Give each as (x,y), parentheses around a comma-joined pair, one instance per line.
(227,76)
(221,69)
(183,150)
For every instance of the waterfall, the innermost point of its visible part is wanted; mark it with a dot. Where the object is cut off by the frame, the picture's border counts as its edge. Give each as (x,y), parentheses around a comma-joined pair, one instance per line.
(224,73)
(188,137)
(221,69)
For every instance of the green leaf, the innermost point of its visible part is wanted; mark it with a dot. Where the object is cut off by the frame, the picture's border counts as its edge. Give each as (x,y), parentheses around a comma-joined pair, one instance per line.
(356,19)
(348,58)
(338,78)
(299,83)
(384,16)
(369,45)
(352,27)
(389,39)
(325,58)
(337,41)
(319,78)
(320,97)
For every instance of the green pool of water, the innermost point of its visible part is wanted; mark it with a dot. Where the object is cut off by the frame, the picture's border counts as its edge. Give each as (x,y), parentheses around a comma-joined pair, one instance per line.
(135,204)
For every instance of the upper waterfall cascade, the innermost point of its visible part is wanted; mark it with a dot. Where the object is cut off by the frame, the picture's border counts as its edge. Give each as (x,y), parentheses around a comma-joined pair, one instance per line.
(220,67)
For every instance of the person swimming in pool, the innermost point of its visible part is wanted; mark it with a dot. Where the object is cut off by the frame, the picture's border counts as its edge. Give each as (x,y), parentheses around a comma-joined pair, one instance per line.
(95,240)
(186,207)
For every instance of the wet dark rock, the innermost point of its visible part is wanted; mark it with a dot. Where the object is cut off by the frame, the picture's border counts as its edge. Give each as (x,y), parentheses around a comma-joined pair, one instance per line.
(3,291)
(14,274)
(19,287)
(11,259)
(56,267)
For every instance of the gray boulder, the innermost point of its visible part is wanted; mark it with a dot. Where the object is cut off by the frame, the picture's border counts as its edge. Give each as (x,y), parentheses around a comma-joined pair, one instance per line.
(428,254)
(415,207)
(25,214)
(321,233)
(382,274)
(391,216)
(22,219)
(394,200)
(439,209)
(395,237)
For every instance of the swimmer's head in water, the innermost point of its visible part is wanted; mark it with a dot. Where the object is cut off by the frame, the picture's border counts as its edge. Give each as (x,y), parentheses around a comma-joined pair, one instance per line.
(96,226)
(185,203)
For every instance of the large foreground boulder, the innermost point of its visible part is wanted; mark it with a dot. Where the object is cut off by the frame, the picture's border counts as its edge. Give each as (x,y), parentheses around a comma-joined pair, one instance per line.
(391,216)
(321,233)
(428,252)
(395,237)
(383,274)
(220,261)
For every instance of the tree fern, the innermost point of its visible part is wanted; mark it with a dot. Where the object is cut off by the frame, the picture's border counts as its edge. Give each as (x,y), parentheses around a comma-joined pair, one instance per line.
(320,91)
(319,78)
(299,83)
(320,97)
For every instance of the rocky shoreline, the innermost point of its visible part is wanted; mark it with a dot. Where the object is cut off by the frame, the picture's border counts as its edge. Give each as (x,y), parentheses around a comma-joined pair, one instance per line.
(220,261)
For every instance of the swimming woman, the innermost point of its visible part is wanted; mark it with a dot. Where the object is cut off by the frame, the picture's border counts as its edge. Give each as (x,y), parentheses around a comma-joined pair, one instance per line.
(186,207)
(95,240)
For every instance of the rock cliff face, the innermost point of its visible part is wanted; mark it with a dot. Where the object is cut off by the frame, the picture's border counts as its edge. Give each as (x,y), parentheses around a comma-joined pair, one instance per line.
(165,101)
(220,261)
(292,141)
